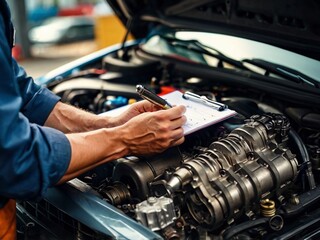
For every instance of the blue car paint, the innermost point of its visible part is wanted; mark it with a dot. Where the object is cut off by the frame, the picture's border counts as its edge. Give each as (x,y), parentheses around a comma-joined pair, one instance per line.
(80,202)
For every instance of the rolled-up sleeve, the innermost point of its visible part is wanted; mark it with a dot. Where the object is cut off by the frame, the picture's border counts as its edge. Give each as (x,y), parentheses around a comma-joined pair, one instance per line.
(37,102)
(32,157)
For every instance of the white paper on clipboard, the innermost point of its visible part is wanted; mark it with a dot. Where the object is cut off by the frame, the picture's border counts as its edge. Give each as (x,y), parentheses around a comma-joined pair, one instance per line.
(198,115)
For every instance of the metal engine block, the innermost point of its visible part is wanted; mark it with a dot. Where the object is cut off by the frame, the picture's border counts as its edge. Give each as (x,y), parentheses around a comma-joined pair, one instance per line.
(234,173)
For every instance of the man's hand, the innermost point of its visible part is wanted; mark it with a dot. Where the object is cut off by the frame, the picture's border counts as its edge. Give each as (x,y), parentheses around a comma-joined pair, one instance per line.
(153,132)
(133,111)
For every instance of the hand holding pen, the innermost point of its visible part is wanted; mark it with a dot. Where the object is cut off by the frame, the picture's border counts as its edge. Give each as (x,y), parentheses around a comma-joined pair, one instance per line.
(145,129)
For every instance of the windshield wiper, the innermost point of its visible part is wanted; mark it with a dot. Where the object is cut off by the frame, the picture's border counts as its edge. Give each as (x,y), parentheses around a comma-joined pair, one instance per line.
(282,71)
(198,47)
(268,67)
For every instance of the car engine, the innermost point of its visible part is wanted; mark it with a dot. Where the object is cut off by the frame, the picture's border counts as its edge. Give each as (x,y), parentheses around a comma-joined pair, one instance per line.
(244,174)
(249,177)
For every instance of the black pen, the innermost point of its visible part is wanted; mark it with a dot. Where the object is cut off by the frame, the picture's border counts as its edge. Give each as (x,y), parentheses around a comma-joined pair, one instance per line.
(203,99)
(152,97)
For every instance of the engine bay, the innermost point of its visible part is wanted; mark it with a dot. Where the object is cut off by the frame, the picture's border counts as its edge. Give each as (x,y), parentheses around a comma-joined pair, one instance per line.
(248,177)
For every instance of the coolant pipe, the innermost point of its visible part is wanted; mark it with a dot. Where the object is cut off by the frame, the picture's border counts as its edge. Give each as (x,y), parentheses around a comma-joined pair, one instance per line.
(305,158)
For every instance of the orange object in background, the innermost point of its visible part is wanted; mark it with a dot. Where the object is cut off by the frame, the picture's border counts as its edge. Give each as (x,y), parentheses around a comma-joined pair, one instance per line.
(109,30)
(166,90)
(8,221)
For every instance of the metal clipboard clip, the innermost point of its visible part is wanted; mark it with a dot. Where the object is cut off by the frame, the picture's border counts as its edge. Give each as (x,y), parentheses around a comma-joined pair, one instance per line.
(204,100)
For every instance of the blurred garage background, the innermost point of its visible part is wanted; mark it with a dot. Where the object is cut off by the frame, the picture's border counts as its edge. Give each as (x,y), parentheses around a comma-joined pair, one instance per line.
(50,33)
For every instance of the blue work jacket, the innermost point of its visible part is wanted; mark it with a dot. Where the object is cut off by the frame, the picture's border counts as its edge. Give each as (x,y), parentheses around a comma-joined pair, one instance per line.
(32,157)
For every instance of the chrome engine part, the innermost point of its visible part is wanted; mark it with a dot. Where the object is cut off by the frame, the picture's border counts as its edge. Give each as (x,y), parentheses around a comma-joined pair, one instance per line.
(251,163)
(156,213)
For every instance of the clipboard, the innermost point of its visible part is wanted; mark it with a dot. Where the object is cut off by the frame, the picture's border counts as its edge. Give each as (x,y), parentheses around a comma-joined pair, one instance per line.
(198,115)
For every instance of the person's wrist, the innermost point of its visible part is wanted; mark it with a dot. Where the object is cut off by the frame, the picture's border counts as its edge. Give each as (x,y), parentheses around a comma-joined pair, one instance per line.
(104,122)
(114,141)
(125,134)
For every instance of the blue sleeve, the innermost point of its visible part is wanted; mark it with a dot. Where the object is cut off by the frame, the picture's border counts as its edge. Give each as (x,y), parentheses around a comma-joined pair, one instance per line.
(37,102)
(32,157)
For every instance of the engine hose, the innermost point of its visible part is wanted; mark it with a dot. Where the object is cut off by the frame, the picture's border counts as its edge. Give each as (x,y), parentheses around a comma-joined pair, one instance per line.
(306,200)
(305,157)
(229,233)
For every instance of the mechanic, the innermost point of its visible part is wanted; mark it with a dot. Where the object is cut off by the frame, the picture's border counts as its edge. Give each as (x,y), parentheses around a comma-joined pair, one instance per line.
(44,142)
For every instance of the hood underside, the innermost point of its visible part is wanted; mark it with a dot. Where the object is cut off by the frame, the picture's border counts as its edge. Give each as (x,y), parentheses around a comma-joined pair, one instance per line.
(290,24)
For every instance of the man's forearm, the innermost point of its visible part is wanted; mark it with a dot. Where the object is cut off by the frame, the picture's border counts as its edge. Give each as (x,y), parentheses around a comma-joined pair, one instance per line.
(90,149)
(93,140)
(69,119)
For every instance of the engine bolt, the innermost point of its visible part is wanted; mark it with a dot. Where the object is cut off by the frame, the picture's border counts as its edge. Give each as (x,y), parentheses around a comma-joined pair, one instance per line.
(281,199)
(294,199)
(152,200)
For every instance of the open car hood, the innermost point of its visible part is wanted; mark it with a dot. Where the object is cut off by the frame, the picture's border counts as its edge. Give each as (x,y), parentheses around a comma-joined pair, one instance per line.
(290,24)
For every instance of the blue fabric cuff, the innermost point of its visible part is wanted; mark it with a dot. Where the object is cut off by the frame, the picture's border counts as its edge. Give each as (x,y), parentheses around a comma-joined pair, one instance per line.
(59,160)
(39,107)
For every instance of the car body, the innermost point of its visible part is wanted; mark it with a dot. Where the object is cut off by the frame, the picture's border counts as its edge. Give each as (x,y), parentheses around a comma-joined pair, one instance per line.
(252,176)
(63,29)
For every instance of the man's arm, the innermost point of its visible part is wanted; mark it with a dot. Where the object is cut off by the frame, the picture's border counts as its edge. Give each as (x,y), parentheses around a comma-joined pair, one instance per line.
(96,139)
(150,132)
(70,119)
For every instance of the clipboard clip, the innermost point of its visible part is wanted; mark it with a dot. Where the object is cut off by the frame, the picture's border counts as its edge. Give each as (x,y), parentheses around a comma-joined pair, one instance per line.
(204,100)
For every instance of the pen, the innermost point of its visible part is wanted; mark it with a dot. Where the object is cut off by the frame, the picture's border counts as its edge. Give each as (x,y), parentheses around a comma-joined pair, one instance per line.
(203,99)
(152,97)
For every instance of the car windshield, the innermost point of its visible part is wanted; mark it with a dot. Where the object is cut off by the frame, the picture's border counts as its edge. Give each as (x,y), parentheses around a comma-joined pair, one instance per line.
(188,43)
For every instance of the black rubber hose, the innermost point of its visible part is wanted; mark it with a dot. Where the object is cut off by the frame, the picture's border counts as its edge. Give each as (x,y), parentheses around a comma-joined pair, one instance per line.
(305,157)
(302,148)
(229,233)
